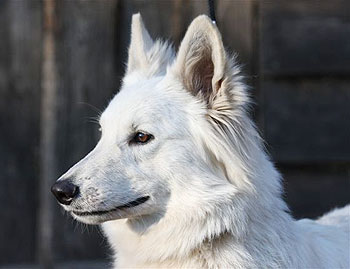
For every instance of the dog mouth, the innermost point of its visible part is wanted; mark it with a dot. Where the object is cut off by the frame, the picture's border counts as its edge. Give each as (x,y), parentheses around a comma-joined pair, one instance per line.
(131,204)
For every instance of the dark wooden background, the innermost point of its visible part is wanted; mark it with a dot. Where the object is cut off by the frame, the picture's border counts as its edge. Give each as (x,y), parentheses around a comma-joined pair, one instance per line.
(61,59)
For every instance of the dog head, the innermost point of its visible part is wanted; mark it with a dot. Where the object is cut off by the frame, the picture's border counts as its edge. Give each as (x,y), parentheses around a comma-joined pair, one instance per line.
(165,135)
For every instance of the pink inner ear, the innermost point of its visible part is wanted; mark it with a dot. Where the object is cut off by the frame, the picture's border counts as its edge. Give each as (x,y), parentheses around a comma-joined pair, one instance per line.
(202,78)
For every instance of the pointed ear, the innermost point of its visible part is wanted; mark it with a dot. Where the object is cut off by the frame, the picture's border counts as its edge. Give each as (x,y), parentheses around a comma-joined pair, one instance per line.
(140,43)
(201,60)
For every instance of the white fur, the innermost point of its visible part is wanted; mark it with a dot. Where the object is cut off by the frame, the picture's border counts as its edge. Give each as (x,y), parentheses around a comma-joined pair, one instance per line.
(215,197)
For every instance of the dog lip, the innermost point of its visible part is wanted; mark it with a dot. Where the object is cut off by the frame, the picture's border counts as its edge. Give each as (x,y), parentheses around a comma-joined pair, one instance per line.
(133,203)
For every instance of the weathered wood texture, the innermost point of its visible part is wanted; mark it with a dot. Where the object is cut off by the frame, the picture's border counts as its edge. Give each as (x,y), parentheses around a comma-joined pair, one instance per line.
(297,53)
(20,64)
(235,20)
(307,120)
(301,38)
(87,61)
(304,69)
(311,191)
(305,64)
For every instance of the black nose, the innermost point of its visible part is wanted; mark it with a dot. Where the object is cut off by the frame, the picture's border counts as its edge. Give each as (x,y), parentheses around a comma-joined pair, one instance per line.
(65,191)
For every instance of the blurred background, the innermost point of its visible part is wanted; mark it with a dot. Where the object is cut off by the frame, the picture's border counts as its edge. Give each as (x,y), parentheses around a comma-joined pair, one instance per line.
(62,61)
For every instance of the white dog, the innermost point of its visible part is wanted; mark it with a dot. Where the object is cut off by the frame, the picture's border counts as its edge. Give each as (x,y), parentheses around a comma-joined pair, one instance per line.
(180,178)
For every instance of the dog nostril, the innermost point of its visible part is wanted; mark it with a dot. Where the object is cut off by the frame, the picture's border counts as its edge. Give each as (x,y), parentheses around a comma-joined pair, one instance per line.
(65,191)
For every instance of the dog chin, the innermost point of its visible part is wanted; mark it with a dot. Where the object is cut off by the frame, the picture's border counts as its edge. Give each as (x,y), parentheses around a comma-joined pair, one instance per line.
(119,212)
(98,219)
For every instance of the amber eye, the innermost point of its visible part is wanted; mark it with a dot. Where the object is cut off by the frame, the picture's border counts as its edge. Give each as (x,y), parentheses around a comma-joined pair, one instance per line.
(141,138)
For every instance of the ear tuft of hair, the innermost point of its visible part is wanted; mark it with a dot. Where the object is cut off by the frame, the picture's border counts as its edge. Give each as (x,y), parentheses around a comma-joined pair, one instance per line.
(148,57)
(205,70)
(201,58)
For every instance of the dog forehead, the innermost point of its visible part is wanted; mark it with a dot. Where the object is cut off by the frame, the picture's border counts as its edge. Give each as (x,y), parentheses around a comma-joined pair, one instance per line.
(138,99)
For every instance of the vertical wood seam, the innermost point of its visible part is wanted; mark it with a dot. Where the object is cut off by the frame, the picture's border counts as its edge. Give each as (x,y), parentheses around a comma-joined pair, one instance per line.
(48,169)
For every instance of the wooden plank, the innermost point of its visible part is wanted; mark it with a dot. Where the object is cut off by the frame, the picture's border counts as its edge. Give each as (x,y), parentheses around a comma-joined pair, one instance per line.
(307,120)
(87,63)
(311,191)
(63,265)
(301,38)
(20,54)
(235,22)
(48,136)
